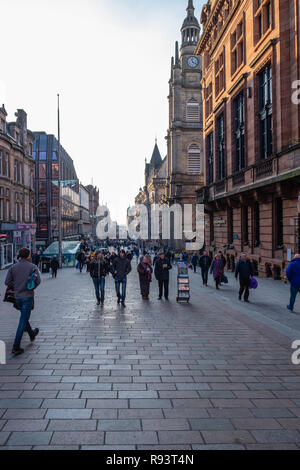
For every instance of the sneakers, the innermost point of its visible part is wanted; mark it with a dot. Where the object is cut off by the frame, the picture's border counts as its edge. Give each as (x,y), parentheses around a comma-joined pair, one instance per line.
(35,333)
(17,351)
(123,304)
(240,297)
(289,308)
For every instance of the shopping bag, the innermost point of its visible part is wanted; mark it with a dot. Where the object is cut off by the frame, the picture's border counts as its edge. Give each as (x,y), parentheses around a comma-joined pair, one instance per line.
(253,283)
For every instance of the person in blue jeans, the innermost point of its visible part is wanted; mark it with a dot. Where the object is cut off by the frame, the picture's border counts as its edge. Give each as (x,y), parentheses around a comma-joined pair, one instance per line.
(99,269)
(17,278)
(293,275)
(121,267)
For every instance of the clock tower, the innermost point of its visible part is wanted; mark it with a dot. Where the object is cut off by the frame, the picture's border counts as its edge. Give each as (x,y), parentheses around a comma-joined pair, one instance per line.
(185,134)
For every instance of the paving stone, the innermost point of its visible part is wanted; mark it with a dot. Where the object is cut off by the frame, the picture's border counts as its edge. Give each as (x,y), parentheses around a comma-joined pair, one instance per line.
(211,424)
(272,413)
(149,403)
(56,448)
(119,425)
(140,413)
(115,403)
(72,425)
(68,414)
(107,448)
(93,387)
(99,394)
(165,424)
(79,438)
(134,438)
(64,403)
(138,394)
(227,437)
(105,414)
(280,436)
(29,438)
(179,437)
(20,403)
(255,423)
(218,447)
(26,425)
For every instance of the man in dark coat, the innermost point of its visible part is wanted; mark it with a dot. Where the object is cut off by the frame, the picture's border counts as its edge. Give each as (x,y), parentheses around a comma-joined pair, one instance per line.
(121,267)
(99,269)
(81,260)
(54,266)
(162,268)
(205,263)
(244,270)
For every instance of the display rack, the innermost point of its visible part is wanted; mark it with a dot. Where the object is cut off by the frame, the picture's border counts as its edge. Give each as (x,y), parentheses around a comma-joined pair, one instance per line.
(183,283)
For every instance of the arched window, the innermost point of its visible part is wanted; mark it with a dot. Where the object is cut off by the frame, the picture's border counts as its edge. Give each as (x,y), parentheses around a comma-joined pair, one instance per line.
(193,111)
(194,160)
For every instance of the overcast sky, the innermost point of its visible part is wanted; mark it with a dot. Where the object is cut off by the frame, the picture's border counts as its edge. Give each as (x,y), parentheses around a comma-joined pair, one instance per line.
(110,62)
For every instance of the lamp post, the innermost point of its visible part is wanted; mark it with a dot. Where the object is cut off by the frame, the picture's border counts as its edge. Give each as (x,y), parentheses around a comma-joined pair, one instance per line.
(59,189)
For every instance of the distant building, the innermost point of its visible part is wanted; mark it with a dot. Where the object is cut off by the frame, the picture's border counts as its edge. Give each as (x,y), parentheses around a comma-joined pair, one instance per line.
(17,198)
(251,64)
(93,207)
(45,150)
(85,220)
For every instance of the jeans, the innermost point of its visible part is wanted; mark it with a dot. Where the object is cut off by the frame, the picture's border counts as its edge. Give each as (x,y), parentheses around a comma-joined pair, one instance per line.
(204,272)
(25,305)
(294,292)
(99,288)
(118,284)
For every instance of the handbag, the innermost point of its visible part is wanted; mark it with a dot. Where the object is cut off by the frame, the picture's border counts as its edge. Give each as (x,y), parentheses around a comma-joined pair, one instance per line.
(9,296)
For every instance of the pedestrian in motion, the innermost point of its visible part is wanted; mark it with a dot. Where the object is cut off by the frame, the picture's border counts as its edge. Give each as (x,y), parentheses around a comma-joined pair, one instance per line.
(145,274)
(18,277)
(99,269)
(54,267)
(205,264)
(161,271)
(121,267)
(81,260)
(244,270)
(217,268)
(194,261)
(293,275)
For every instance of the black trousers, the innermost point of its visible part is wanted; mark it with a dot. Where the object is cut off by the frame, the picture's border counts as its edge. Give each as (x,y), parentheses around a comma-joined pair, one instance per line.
(244,287)
(54,272)
(164,285)
(145,288)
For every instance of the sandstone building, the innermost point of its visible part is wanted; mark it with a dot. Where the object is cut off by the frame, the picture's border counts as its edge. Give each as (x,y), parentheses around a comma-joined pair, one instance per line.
(251,68)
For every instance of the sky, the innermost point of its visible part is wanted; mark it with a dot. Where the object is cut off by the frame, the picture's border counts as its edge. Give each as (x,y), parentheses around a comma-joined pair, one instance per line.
(110,62)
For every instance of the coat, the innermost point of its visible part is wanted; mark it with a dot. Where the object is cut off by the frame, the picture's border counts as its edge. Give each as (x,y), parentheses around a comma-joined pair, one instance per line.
(121,267)
(205,262)
(143,274)
(54,264)
(161,273)
(94,271)
(195,260)
(293,273)
(244,269)
(18,275)
(213,268)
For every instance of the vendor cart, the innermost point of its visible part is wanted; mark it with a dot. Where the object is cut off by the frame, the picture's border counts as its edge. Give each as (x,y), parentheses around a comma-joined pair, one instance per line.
(183,283)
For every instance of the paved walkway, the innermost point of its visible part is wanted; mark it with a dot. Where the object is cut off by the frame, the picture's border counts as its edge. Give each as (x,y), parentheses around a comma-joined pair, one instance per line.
(212,374)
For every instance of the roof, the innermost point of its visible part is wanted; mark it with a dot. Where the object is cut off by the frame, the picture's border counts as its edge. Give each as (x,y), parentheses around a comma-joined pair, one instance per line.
(156,159)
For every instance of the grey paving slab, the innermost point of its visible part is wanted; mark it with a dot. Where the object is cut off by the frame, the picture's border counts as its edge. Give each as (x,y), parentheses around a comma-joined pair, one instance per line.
(280,436)
(68,414)
(165,425)
(26,425)
(179,437)
(215,424)
(20,403)
(134,438)
(227,437)
(119,425)
(79,438)
(72,425)
(29,438)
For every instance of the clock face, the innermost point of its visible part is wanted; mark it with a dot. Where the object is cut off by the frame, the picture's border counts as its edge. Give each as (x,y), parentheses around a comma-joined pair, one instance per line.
(193,62)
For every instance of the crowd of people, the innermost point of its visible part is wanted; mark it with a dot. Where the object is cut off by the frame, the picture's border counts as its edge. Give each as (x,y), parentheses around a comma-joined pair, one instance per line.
(24,277)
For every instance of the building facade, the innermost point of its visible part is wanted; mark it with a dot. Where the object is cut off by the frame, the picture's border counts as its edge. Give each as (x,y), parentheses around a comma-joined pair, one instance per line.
(17,197)
(184,165)
(85,221)
(94,204)
(45,154)
(251,65)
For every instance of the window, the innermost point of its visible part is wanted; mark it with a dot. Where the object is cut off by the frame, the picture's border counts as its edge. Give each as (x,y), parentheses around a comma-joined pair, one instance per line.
(220,74)
(43,143)
(7,210)
(265,113)
(17,212)
(256,220)
(221,147)
(4,164)
(43,155)
(42,188)
(1,163)
(263,18)
(210,154)
(237,47)
(230,225)
(193,111)
(279,223)
(239,132)
(245,225)
(55,171)
(1,209)
(208,100)
(16,170)
(7,167)
(42,170)
(194,160)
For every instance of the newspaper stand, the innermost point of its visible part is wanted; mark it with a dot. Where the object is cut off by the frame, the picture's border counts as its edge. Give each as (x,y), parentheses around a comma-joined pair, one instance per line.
(183,283)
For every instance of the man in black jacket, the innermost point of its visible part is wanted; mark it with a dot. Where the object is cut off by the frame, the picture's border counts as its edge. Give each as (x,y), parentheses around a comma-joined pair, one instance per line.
(121,267)
(244,270)
(162,268)
(205,263)
(99,269)
(54,266)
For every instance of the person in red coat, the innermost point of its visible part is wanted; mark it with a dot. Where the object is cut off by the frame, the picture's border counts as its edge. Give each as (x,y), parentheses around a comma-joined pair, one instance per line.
(145,274)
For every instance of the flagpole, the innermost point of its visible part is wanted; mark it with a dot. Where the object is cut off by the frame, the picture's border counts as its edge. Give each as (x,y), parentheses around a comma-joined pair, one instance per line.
(59,189)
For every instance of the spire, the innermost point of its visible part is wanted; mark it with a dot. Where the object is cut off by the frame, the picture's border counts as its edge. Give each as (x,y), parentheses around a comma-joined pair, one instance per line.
(190,8)
(156,159)
(190,29)
(176,54)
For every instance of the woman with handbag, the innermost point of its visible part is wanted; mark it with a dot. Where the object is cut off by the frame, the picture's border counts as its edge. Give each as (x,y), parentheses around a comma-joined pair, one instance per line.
(145,274)
(217,269)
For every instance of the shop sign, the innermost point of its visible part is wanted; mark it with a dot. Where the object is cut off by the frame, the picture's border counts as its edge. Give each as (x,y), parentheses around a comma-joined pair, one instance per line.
(23,227)
(3,237)
(17,234)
